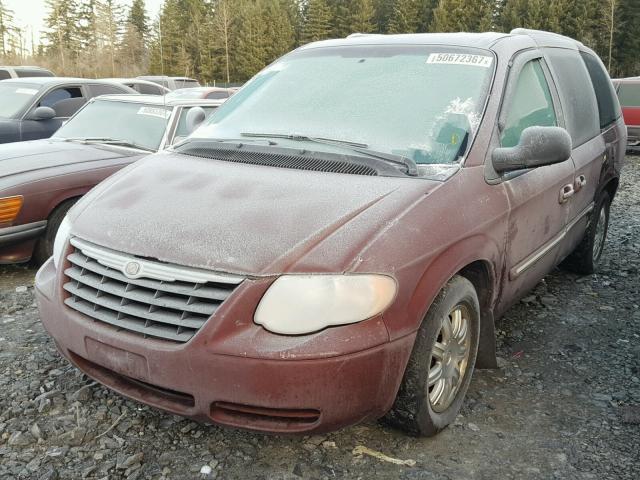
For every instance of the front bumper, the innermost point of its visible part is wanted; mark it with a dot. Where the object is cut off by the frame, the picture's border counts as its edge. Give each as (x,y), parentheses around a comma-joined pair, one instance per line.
(237,389)
(17,242)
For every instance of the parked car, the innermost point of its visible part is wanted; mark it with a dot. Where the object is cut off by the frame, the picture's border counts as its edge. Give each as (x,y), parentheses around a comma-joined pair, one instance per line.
(172,83)
(24,71)
(628,90)
(40,180)
(144,87)
(35,107)
(311,258)
(213,93)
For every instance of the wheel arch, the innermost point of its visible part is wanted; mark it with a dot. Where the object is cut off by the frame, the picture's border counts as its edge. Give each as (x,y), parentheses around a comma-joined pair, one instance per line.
(57,201)
(611,187)
(480,274)
(477,259)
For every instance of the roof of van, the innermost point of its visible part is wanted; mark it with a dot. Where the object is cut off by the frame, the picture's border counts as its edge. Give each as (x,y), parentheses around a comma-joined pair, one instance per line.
(463,39)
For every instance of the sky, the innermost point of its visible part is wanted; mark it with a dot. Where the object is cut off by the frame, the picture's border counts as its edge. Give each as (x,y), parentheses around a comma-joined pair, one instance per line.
(30,14)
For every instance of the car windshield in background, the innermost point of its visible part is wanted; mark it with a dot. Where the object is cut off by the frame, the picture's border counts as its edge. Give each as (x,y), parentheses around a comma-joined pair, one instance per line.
(15,97)
(421,102)
(132,123)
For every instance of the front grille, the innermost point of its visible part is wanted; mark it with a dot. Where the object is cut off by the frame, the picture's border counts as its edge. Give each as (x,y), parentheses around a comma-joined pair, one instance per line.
(159,300)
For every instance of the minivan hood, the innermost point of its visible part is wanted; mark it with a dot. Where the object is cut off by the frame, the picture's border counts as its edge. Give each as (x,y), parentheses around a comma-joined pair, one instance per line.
(22,157)
(238,218)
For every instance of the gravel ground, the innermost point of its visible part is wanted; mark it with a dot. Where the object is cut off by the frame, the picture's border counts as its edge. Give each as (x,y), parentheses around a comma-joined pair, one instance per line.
(565,403)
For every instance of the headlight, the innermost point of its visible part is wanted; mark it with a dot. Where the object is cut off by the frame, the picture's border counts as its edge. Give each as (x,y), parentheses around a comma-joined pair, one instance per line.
(61,238)
(297,304)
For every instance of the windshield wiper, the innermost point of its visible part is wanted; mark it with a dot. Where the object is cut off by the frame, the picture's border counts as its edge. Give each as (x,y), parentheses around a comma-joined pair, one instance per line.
(109,141)
(408,163)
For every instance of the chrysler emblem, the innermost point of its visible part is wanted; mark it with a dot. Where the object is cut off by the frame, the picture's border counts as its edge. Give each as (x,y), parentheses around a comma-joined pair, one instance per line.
(131,269)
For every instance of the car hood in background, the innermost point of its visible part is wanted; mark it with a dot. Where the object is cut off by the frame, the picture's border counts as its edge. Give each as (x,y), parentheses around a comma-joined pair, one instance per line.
(240,218)
(23,157)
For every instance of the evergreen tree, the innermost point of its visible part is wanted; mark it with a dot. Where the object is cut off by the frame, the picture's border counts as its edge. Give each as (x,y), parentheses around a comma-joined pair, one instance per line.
(62,37)
(263,33)
(405,17)
(352,16)
(463,16)
(626,48)
(109,20)
(133,49)
(6,28)
(222,29)
(383,10)
(138,17)
(533,14)
(317,21)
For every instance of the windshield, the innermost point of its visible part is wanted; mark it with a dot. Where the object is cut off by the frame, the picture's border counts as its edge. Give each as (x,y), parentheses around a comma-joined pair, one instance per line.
(134,123)
(15,97)
(421,102)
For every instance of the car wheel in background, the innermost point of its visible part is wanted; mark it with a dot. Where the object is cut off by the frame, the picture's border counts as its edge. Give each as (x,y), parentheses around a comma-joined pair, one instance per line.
(44,247)
(441,364)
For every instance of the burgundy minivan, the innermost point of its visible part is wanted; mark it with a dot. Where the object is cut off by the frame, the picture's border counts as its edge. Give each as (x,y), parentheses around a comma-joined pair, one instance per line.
(318,253)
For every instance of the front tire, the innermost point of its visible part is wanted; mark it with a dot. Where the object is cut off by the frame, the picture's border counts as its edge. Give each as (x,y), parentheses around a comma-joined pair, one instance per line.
(585,259)
(441,364)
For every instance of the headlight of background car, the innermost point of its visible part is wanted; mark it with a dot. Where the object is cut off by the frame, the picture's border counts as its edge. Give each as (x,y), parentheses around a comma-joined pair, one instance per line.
(297,304)
(61,238)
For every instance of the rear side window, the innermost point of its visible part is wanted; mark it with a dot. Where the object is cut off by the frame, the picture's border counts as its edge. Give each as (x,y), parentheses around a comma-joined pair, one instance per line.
(577,95)
(148,89)
(33,73)
(608,107)
(186,83)
(59,94)
(531,105)
(629,94)
(104,90)
(4,74)
(217,95)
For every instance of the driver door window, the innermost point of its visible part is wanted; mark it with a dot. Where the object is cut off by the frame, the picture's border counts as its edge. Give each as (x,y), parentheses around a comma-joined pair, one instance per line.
(531,105)
(65,101)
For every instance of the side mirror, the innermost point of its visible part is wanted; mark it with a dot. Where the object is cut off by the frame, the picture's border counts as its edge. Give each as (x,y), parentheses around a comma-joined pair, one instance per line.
(538,146)
(42,113)
(195,116)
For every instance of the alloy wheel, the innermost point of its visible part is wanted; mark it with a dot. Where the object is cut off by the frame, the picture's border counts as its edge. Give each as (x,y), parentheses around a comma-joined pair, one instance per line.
(449,358)
(599,237)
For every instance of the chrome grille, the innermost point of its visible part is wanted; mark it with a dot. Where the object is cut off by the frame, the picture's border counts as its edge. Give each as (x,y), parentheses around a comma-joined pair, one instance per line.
(159,300)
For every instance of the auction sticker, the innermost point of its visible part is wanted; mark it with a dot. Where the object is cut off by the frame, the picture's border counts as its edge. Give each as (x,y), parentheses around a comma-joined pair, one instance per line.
(154,112)
(26,91)
(460,59)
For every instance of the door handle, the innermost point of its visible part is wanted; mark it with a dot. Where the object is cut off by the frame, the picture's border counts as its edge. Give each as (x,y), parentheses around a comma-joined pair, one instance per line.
(566,192)
(580,182)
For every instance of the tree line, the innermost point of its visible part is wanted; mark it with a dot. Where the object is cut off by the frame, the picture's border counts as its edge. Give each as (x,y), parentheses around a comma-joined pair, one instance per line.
(230,40)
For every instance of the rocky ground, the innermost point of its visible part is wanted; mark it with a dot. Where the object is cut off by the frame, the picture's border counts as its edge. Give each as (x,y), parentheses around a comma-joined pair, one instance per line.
(564,405)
